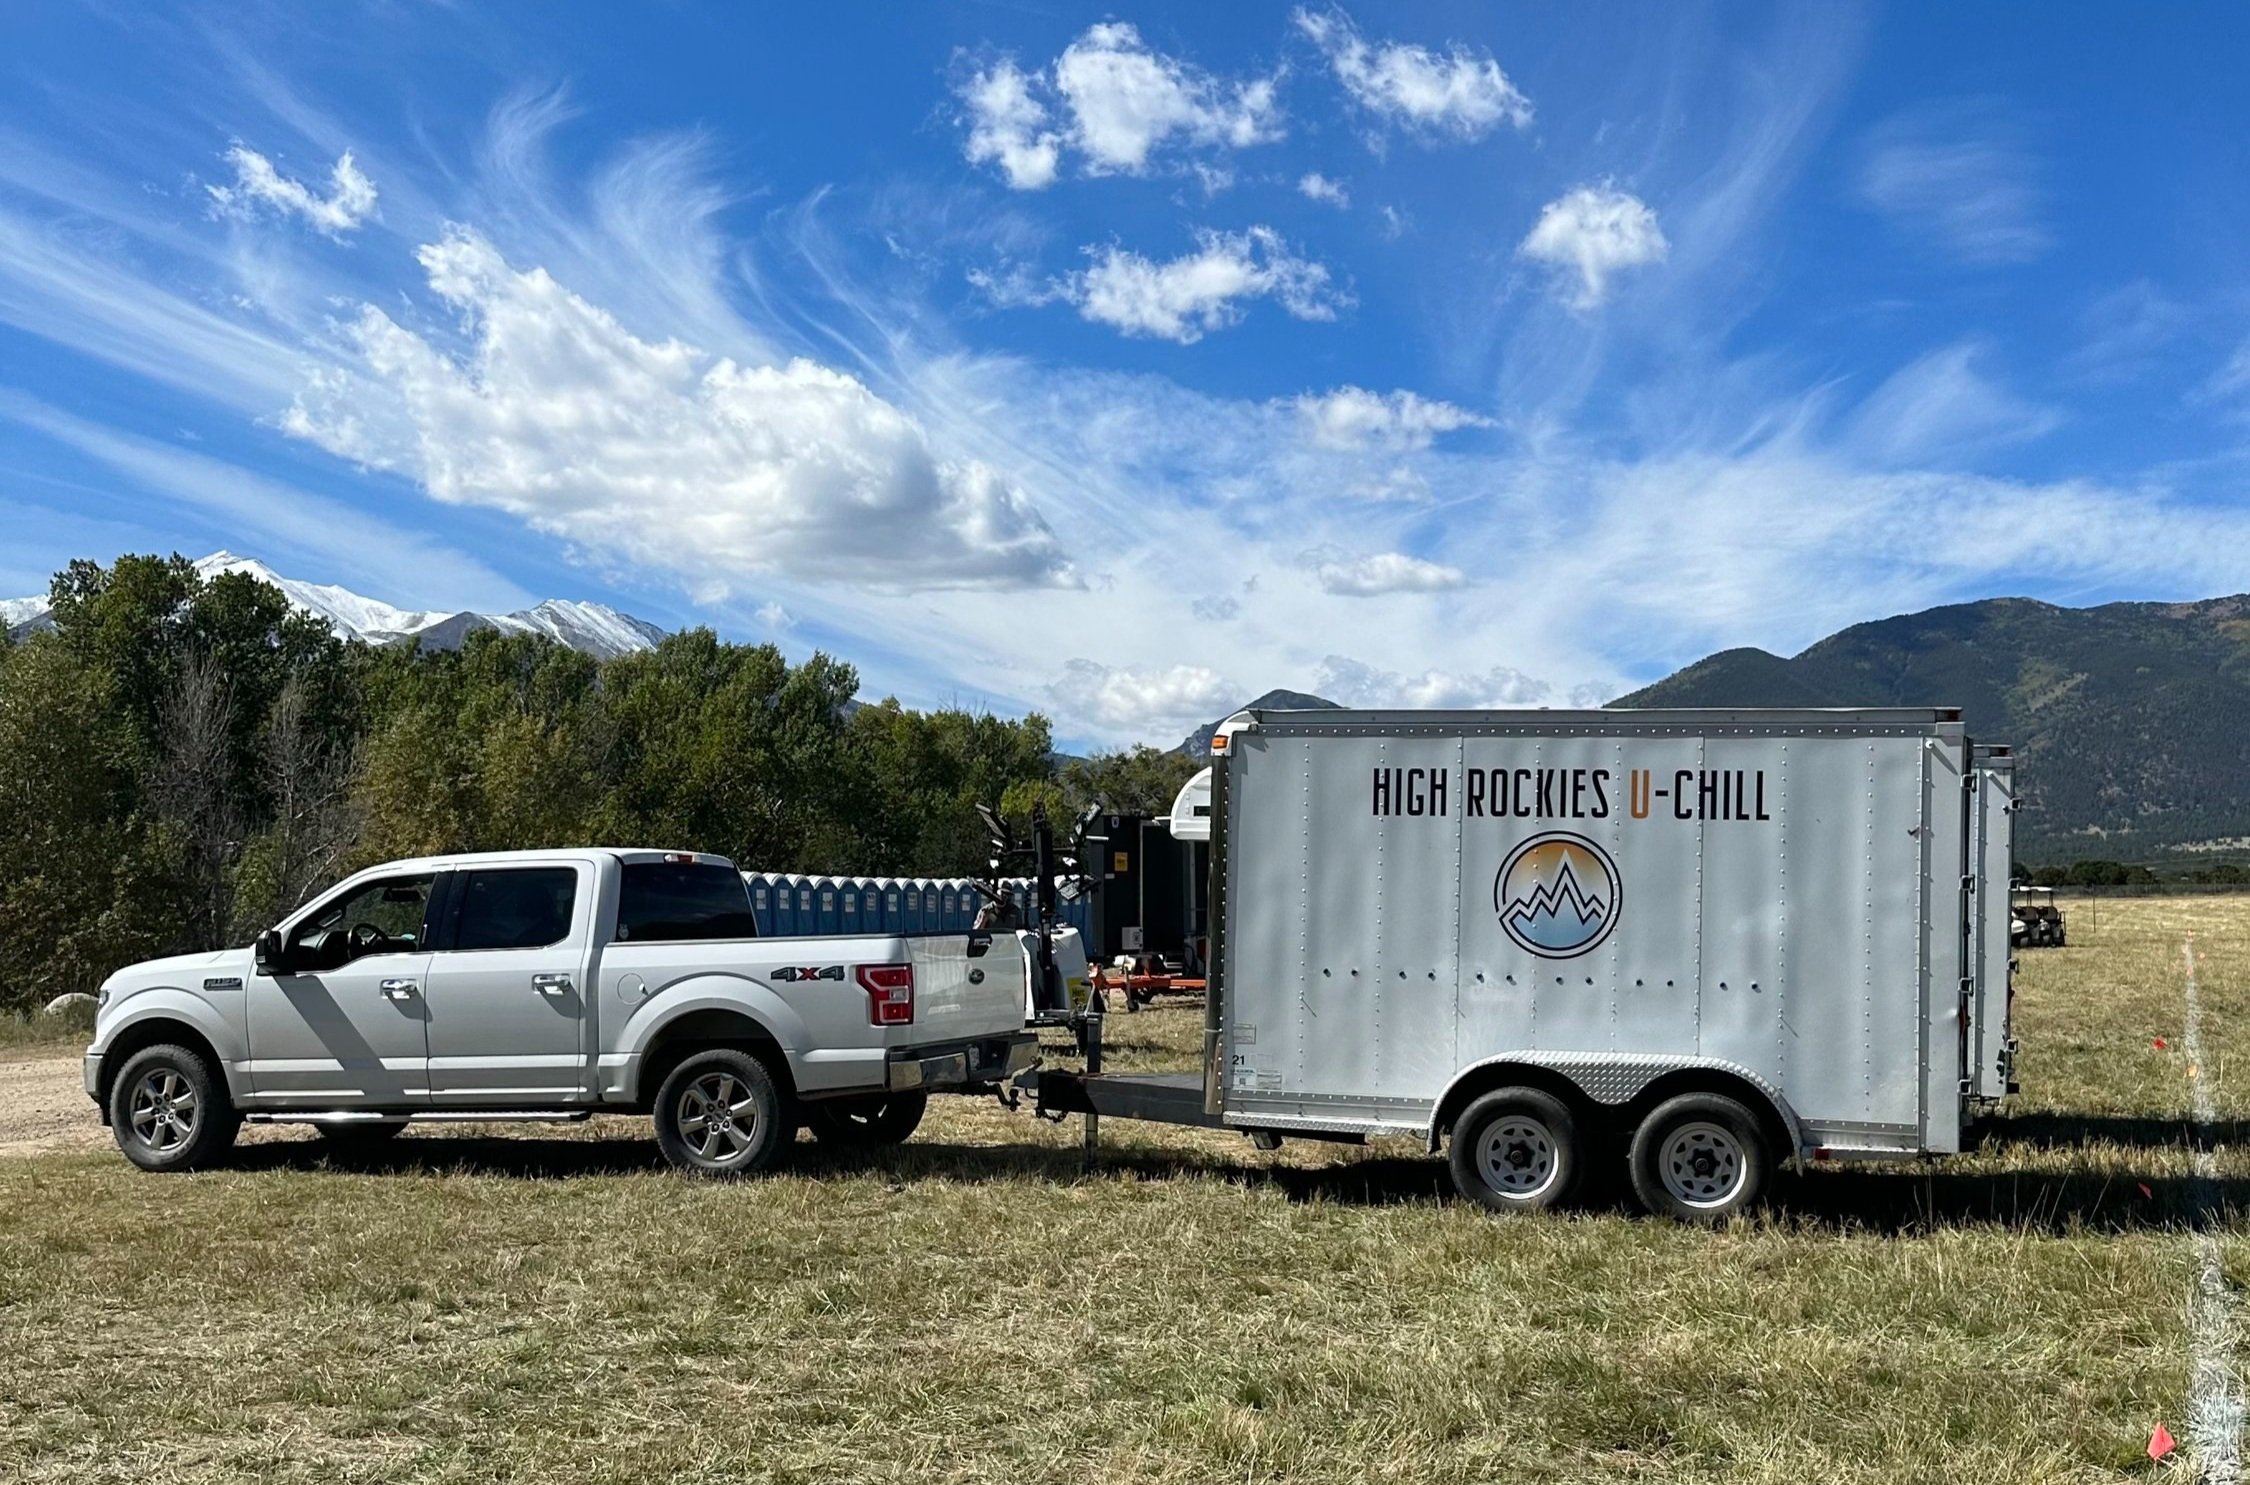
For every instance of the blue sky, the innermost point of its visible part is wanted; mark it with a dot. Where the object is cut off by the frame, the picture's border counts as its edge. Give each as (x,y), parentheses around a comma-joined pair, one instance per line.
(1123,364)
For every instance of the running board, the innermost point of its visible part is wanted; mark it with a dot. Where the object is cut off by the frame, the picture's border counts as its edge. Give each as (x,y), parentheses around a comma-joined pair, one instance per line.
(455,1116)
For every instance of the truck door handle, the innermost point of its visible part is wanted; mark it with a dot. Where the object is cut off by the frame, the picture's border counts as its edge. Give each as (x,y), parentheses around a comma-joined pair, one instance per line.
(399,989)
(551,984)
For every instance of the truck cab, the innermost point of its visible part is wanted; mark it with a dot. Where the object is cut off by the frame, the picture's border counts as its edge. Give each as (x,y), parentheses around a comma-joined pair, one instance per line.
(544,985)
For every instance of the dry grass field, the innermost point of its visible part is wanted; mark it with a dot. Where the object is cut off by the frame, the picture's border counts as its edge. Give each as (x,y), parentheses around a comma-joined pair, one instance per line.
(973,1308)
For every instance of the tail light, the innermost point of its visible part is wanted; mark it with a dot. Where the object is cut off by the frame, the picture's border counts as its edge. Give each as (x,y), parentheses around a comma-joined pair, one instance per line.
(890,993)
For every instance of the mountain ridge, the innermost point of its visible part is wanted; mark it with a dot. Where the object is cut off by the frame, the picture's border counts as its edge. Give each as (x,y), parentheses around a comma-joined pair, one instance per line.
(591,628)
(2130,722)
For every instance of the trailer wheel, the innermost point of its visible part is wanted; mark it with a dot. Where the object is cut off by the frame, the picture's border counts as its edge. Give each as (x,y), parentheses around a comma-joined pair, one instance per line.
(1515,1150)
(882,1119)
(1701,1157)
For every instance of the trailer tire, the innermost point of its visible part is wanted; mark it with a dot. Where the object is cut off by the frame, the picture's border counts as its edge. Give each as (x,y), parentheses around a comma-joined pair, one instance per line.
(1700,1158)
(719,1114)
(1516,1150)
(862,1123)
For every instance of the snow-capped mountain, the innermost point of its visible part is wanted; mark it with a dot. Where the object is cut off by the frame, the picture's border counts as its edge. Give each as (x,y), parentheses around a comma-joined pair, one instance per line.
(588,627)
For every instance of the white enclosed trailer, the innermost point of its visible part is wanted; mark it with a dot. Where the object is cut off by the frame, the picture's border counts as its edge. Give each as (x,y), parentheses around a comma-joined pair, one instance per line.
(1718,940)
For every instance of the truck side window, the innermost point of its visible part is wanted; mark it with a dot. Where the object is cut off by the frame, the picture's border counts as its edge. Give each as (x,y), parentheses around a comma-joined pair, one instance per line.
(673,902)
(381,917)
(515,908)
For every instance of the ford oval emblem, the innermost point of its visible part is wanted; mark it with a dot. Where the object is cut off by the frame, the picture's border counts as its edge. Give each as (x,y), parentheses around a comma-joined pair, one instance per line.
(976,976)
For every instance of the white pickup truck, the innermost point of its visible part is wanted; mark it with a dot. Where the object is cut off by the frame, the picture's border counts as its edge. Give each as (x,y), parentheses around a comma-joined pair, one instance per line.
(552,985)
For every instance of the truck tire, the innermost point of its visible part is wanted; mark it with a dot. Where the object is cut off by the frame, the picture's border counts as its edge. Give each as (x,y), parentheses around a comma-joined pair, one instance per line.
(1700,1157)
(1516,1150)
(719,1114)
(169,1111)
(880,1119)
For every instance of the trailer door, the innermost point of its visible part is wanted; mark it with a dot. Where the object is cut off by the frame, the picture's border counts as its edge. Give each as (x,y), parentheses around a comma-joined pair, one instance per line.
(1992,999)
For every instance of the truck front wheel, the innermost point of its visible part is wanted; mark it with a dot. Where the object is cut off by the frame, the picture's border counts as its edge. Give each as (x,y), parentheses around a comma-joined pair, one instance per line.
(1516,1150)
(719,1114)
(169,1110)
(1700,1158)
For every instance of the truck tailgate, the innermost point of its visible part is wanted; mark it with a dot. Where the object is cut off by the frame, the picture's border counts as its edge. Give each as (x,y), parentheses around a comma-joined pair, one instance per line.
(966,985)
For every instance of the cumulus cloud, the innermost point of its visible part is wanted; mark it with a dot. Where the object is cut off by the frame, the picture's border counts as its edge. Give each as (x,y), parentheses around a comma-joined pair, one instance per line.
(1116,104)
(659,455)
(349,202)
(1384,572)
(1008,126)
(1089,696)
(1357,684)
(1317,187)
(1355,418)
(1958,177)
(1184,298)
(1462,93)
(1590,235)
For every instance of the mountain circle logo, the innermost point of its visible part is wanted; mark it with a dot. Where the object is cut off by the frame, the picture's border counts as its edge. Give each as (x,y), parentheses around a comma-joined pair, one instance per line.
(1557,895)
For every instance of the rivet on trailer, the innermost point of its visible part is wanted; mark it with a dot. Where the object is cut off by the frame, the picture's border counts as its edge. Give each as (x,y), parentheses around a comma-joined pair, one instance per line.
(1718,941)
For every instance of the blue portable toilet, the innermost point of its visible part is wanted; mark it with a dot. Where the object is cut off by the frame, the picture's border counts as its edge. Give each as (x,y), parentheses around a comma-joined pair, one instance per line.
(828,914)
(894,912)
(847,904)
(910,893)
(785,924)
(948,918)
(807,920)
(761,901)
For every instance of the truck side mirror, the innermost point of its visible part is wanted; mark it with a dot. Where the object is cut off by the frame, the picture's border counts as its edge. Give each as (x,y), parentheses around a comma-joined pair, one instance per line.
(269,953)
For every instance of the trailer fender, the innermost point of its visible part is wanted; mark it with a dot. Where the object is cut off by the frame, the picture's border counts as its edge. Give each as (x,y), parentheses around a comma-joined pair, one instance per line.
(1611,1080)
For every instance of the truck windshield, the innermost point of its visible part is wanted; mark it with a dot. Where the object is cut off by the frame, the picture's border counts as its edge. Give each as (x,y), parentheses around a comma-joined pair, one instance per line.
(666,902)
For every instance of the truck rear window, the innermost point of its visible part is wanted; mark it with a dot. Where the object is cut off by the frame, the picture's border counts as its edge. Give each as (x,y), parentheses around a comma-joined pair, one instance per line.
(663,902)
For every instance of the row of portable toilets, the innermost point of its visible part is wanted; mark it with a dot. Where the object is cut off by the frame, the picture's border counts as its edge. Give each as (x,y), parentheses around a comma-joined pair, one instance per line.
(789,906)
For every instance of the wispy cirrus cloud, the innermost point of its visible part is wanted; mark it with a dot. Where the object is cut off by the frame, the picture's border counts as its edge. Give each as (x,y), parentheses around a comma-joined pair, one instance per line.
(1961,179)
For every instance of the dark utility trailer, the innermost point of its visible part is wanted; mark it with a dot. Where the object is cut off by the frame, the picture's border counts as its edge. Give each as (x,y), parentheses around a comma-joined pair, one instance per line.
(1718,940)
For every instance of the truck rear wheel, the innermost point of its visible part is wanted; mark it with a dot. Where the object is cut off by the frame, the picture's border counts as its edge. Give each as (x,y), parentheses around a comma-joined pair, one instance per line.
(1701,1157)
(1515,1150)
(169,1111)
(882,1119)
(719,1114)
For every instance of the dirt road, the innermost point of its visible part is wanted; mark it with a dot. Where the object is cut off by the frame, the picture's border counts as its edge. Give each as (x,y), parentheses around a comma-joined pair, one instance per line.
(43,1106)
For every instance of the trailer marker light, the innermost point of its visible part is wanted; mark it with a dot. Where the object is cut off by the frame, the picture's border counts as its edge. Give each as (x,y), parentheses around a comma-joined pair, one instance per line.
(1822,1152)
(890,993)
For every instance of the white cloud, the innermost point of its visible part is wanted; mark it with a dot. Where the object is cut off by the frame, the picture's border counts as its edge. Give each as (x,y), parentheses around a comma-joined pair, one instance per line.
(1943,406)
(1595,232)
(1355,418)
(1186,297)
(1125,105)
(1218,610)
(1462,93)
(1384,572)
(1008,126)
(1317,187)
(1355,683)
(660,456)
(1957,176)
(349,202)
(1092,697)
